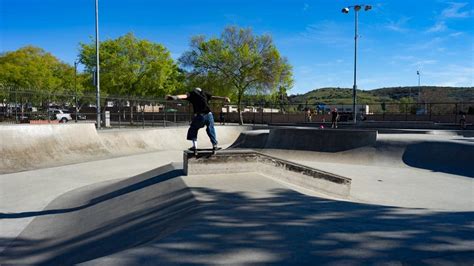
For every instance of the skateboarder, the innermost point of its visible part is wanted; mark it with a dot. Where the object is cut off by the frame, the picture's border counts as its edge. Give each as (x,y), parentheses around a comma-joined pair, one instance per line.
(202,115)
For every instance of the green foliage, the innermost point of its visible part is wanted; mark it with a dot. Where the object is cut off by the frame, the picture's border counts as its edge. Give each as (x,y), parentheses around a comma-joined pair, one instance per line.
(407,105)
(32,75)
(132,67)
(32,68)
(236,64)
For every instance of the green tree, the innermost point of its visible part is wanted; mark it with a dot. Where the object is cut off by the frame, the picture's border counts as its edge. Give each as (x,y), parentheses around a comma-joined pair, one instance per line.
(407,105)
(238,63)
(35,72)
(132,67)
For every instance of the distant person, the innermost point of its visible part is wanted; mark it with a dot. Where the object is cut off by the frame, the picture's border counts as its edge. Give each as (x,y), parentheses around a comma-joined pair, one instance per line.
(334,118)
(308,115)
(202,115)
(222,117)
(462,121)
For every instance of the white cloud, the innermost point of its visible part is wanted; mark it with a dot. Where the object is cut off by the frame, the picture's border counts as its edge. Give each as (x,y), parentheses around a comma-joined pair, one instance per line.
(451,75)
(398,26)
(432,44)
(456,34)
(438,27)
(454,11)
(422,63)
(326,32)
(305,7)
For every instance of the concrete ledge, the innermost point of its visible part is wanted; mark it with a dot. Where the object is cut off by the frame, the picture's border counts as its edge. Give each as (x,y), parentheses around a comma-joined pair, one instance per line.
(239,161)
(306,139)
(324,140)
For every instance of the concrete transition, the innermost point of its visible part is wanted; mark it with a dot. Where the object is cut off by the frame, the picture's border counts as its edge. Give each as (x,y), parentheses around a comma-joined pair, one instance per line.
(27,147)
(309,139)
(300,196)
(244,161)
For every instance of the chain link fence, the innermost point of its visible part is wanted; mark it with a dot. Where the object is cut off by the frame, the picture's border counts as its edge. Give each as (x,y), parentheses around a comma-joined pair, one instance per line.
(23,106)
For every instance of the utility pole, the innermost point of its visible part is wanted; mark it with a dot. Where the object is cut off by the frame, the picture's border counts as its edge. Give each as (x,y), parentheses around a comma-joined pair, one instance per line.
(354,88)
(97,68)
(345,10)
(75,88)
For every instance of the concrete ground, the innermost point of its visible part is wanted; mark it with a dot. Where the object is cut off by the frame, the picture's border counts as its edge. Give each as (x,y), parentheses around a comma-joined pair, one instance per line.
(140,209)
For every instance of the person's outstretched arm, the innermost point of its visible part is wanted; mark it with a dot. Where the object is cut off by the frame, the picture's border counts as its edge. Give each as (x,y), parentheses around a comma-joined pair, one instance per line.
(176,97)
(225,99)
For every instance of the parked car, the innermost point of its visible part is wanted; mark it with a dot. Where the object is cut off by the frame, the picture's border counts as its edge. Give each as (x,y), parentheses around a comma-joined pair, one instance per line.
(60,115)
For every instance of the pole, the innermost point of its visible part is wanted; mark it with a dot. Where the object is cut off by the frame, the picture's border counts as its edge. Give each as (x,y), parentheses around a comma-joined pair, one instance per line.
(75,87)
(97,68)
(354,88)
(419,88)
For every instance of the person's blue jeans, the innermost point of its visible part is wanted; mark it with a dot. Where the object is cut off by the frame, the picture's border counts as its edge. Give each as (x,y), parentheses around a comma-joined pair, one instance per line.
(199,121)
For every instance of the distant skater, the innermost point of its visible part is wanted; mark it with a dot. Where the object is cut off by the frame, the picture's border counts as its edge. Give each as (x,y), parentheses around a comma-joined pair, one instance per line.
(202,115)
(334,118)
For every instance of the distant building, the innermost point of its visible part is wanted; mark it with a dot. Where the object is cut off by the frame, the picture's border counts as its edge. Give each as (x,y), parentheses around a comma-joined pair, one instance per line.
(361,108)
(248,109)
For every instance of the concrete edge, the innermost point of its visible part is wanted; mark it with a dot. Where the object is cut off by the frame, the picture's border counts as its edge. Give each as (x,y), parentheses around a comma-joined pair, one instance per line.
(239,161)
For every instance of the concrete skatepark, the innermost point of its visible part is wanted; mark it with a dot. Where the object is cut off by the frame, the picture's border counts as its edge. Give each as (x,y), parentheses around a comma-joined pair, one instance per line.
(72,195)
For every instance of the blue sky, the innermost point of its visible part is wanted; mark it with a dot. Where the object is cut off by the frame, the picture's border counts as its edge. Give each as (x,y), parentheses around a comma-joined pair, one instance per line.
(396,37)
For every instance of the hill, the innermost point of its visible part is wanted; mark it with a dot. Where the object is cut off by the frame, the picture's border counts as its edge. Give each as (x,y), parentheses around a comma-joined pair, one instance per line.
(393,94)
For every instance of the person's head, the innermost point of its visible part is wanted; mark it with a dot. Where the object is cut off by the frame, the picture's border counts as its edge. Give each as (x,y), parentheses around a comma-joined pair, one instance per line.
(335,109)
(198,90)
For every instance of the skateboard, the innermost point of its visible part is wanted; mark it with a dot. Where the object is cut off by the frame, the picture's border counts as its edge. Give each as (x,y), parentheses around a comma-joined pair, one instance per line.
(204,151)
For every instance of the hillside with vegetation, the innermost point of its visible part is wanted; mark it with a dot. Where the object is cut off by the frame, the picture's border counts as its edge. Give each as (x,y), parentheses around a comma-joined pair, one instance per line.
(388,95)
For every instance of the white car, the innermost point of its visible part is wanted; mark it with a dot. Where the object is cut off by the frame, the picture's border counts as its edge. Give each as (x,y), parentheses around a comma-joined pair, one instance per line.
(60,115)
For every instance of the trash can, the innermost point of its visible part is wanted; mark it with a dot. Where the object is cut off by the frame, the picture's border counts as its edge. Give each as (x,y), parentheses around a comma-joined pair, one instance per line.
(107,118)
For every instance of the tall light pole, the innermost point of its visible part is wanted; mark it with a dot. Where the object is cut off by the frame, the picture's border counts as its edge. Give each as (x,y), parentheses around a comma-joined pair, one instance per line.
(345,10)
(75,88)
(97,68)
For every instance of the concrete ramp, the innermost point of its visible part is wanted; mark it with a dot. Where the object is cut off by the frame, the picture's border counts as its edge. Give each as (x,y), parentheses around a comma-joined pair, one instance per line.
(27,147)
(102,219)
(308,139)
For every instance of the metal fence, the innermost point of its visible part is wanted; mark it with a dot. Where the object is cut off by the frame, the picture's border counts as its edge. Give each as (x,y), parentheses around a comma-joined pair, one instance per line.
(23,106)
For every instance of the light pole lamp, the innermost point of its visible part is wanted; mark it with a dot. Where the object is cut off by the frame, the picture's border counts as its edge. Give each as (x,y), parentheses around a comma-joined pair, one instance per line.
(346,10)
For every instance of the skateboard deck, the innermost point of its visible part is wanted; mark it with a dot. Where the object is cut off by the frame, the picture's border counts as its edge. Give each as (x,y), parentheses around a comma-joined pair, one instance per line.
(205,151)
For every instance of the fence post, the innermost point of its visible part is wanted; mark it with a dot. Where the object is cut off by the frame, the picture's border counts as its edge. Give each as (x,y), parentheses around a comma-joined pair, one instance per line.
(120,116)
(455,113)
(406,111)
(164,121)
(143,117)
(16,107)
(152,115)
(271,113)
(429,109)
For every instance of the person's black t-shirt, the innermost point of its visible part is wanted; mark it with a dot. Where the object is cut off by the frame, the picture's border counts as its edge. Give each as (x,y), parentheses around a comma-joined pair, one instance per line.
(334,115)
(200,101)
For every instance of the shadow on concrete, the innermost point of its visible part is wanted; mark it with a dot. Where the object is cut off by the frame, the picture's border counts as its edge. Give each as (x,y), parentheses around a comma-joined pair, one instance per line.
(288,228)
(284,227)
(446,157)
(100,199)
(118,216)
